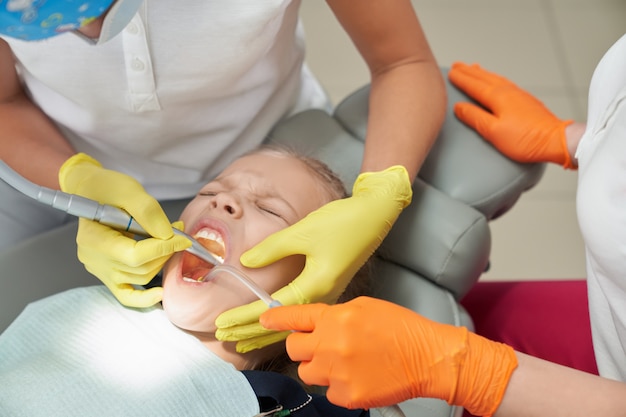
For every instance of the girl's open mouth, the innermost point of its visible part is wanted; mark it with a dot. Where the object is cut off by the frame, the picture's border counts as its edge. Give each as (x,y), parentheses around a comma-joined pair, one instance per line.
(195,269)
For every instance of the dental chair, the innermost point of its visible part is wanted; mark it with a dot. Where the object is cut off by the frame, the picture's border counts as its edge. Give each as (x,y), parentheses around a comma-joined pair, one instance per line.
(435,253)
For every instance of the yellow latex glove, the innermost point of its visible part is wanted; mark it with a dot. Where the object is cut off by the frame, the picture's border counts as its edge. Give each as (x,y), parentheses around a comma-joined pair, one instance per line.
(373,353)
(337,239)
(115,258)
(515,122)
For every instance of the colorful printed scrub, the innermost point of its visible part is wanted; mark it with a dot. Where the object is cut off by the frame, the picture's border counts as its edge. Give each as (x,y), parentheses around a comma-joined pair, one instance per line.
(33,20)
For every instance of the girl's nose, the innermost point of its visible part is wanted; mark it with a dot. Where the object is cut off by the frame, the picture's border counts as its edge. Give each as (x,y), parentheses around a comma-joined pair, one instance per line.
(229,203)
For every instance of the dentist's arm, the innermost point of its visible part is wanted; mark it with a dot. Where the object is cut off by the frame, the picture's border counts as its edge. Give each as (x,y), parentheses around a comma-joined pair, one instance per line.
(32,145)
(372,353)
(406,110)
(29,142)
(407,100)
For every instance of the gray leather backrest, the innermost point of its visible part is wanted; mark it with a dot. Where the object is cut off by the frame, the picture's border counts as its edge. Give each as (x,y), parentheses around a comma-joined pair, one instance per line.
(461,163)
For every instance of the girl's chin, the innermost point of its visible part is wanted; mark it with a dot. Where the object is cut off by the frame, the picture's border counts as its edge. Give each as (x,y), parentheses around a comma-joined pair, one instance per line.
(187,308)
(191,322)
(199,331)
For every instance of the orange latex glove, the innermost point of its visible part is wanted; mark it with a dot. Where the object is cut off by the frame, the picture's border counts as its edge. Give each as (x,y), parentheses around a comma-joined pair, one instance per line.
(373,353)
(515,122)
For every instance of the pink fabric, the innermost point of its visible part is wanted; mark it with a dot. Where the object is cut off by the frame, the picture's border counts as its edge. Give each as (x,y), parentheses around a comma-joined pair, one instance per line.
(545,319)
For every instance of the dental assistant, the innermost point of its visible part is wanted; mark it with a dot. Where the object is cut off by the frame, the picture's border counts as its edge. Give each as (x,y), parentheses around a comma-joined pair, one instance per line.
(122,101)
(415,357)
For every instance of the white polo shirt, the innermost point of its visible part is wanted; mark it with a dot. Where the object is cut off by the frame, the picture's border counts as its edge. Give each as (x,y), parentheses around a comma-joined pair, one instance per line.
(601,202)
(182,91)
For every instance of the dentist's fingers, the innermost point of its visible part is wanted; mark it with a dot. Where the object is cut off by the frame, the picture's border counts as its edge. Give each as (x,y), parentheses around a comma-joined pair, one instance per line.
(238,316)
(131,297)
(265,339)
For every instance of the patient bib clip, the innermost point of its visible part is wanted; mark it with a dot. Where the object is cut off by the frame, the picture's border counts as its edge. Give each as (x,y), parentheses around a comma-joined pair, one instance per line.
(278,410)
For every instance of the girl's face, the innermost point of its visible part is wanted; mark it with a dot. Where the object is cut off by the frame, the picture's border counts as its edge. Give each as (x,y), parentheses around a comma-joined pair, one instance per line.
(254,197)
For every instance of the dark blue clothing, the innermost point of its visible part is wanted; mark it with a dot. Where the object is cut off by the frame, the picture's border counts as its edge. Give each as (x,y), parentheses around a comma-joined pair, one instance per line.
(274,390)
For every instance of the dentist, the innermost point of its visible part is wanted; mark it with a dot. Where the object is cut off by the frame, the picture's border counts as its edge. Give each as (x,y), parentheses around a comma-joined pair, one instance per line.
(132,102)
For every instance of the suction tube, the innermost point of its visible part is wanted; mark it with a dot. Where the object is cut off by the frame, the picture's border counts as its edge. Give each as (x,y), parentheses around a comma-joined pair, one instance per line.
(243,278)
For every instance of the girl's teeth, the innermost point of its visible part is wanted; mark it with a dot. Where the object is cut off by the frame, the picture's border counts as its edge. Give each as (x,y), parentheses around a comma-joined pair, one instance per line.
(208,234)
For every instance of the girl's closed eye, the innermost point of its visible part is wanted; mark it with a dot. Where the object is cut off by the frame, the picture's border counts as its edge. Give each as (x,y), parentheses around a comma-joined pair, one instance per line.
(269,210)
(210,190)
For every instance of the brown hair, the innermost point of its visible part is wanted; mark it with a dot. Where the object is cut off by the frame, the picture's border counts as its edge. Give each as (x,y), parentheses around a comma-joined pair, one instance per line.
(329,180)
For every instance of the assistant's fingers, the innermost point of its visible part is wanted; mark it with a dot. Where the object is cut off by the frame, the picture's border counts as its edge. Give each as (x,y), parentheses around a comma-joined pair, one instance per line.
(337,395)
(476,118)
(479,84)
(301,346)
(299,318)
(470,81)
(311,374)
(478,74)
(463,73)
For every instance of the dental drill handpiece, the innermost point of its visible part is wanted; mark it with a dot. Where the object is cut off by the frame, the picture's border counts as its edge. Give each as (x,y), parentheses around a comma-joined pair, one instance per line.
(83,207)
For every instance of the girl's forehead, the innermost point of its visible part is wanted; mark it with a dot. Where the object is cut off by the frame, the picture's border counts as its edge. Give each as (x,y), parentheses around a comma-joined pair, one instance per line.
(266,163)
(268,171)
(283,175)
